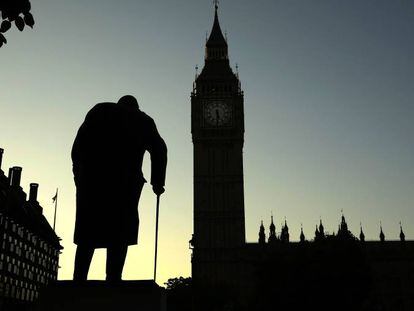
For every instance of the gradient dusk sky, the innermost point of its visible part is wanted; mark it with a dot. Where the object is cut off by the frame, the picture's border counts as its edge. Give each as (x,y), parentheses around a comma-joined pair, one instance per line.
(329,110)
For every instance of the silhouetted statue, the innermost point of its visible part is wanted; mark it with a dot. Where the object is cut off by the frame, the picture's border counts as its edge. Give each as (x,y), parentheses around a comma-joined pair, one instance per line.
(107,157)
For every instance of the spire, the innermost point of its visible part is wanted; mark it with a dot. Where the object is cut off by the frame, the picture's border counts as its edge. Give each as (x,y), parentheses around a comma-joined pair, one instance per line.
(272,225)
(262,235)
(343,227)
(284,236)
(302,236)
(216,4)
(361,234)
(382,235)
(343,221)
(216,46)
(216,35)
(321,228)
(402,235)
(316,233)
(272,234)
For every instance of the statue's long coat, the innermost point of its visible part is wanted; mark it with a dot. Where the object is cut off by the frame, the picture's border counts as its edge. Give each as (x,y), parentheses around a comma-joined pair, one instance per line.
(107,157)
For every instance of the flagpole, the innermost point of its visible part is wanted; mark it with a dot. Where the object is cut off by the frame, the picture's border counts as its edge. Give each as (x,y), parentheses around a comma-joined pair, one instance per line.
(56,200)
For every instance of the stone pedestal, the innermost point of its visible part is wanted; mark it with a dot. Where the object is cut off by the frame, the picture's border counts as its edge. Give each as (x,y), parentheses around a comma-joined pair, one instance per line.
(101,296)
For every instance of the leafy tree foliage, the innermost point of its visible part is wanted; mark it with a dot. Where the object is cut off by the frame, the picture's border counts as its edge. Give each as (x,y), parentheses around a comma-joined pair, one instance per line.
(17,12)
(177,283)
(179,294)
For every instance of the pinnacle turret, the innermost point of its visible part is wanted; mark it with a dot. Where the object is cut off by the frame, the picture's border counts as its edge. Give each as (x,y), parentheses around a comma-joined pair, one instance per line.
(343,231)
(402,234)
(382,235)
(272,234)
(284,235)
(361,234)
(344,225)
(302,235)
(321,229)
(316,233)
(262,235)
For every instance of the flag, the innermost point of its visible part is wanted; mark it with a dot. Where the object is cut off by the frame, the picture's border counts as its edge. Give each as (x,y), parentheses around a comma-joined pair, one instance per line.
(55,197)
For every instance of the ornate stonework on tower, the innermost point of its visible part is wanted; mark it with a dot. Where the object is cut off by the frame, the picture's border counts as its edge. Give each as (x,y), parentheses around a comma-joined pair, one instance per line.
(218,134)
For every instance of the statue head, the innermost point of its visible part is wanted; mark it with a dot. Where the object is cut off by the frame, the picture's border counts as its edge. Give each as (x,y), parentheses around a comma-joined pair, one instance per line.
(128,101)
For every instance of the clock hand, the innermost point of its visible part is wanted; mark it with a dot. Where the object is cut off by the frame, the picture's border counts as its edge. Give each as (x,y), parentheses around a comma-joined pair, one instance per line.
(217,116)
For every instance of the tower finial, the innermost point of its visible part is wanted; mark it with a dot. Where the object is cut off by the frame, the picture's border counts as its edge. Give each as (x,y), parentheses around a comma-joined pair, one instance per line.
(216,4)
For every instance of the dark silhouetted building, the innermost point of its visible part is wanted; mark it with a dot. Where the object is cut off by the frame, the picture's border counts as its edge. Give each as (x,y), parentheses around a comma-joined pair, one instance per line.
(29,247)
(331,272)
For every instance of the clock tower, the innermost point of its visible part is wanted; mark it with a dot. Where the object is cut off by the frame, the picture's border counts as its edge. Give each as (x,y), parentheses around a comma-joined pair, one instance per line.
(217,126)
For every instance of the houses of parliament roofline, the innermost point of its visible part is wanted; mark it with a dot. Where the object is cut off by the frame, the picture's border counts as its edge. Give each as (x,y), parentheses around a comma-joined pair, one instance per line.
(343,234)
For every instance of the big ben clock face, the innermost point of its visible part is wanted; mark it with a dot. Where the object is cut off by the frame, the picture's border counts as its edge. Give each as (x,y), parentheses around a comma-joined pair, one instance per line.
(217,113)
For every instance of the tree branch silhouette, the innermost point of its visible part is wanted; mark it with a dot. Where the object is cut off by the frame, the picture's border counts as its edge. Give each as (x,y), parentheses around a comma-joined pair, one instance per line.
(17,11)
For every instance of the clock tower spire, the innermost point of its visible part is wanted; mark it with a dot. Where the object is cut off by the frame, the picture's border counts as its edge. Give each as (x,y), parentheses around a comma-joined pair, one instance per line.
(216,46)
(217,127)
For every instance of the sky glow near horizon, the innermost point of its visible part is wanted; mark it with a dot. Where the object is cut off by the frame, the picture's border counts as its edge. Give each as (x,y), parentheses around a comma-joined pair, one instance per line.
(329,110)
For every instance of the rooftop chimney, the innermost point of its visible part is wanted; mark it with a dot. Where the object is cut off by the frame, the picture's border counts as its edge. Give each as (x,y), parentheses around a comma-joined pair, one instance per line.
(33,192)
(16,176)
(10,175)
(1,156)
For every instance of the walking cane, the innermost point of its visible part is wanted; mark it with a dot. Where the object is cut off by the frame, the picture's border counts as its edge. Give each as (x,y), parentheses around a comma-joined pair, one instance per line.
(156,237)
